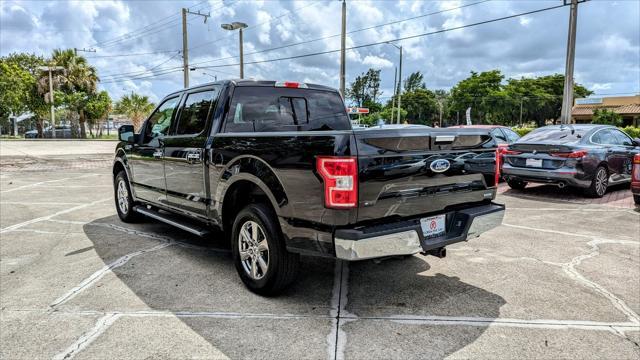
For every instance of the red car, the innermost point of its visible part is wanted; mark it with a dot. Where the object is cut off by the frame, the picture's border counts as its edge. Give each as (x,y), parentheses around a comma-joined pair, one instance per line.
(635,179)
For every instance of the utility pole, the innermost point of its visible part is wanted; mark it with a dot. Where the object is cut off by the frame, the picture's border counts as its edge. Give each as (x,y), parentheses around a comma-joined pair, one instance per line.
(521,98)
(185,42)
(241,45)
(393,99)
(343,42)
(567,95)
(185,49)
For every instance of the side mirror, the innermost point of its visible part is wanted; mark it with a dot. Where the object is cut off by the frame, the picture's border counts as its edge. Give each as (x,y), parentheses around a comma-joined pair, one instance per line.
(636,142)
(126,133)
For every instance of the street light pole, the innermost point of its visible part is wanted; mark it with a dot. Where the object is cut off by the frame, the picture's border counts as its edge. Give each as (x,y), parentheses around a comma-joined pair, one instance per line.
(393,99)
(400,86)
(237,26)
(399,89)
(51,69)
(343,36)
(567,96)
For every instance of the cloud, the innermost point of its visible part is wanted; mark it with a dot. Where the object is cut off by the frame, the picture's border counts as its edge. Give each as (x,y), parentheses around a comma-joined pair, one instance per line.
(607,51)
(377,62)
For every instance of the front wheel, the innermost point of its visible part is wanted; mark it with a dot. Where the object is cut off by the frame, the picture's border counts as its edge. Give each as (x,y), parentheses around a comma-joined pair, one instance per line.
(124,199)
(261,259)
(599,184)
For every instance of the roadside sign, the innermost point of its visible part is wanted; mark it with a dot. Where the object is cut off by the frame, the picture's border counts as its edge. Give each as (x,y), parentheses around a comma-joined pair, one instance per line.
(357,110)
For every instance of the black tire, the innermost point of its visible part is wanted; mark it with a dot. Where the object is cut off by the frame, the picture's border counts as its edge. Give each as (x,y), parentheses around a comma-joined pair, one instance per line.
(281,265)
(124,209)
(517,184)
(636,199)
(599,183)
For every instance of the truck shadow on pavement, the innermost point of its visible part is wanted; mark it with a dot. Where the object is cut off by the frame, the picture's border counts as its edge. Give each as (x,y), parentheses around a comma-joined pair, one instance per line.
(551,193)
(195,275)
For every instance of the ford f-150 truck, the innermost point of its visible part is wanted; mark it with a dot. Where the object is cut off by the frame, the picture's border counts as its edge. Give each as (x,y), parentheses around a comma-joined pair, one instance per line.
(278,168)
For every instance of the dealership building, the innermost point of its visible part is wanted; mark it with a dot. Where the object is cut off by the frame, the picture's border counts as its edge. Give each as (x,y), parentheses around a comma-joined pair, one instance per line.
(627,106)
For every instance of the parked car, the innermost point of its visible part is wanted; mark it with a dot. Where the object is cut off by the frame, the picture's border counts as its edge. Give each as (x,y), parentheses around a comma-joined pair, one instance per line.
(62,132)
(591,157)
(635,179)
(503,135)
(278,168)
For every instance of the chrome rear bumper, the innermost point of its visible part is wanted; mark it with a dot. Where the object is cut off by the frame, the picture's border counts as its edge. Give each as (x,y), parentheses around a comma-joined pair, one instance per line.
(465,224)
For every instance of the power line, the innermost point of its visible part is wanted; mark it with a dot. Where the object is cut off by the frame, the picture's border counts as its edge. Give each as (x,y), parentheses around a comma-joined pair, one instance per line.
(140,72)
(132,54)
(349,32)
(153,28)
(393,40)
(380,42)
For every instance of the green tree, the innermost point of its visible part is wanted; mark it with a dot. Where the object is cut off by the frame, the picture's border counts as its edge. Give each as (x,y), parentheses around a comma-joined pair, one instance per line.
(78,81)
(414,82)
(421,106)
(97,108)
(606,117)
(478,91)
(365,89)
(19,87)
(136,107)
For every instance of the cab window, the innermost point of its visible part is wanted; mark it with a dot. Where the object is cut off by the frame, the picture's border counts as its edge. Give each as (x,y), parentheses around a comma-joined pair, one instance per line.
(499,136)
(195,112)
(160,121)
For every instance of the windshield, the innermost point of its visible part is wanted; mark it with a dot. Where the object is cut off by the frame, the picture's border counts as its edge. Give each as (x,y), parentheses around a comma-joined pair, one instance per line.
(554,135)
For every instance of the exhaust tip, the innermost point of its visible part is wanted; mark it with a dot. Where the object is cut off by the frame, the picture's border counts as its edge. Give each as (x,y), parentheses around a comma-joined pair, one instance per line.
(562,185)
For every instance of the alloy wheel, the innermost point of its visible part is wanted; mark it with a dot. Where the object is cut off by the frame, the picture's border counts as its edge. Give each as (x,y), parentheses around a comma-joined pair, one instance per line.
(123,196)
(601,181)
(254,250)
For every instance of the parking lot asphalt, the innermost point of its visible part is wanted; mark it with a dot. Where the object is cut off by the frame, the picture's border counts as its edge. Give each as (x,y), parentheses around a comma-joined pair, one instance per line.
(560,279)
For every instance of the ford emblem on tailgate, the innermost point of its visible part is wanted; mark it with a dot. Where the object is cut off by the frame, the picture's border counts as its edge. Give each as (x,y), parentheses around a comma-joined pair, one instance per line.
(440,165)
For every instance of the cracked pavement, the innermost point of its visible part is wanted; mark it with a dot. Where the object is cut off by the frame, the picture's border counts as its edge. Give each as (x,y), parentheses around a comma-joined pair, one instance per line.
(560,279)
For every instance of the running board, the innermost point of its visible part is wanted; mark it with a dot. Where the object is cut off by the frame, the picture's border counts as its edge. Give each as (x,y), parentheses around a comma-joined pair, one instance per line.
(172,220)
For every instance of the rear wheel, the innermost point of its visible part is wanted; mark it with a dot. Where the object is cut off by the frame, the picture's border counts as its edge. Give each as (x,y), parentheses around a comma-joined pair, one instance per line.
(636,199)
(599,184)
(124,199)
(517,184)
(261,259)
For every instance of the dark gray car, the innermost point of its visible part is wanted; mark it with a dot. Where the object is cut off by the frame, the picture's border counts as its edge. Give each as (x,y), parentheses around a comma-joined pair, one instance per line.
(590,157)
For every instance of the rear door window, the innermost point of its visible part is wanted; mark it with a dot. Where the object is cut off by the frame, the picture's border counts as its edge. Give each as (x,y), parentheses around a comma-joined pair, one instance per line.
(511,135)
(265,109)
(499,136)
(553,135)
(623,139)
(195,112)
(605,137)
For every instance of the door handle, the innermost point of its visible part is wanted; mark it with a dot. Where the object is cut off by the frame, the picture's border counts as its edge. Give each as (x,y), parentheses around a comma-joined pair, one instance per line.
(193,157)
(158,154)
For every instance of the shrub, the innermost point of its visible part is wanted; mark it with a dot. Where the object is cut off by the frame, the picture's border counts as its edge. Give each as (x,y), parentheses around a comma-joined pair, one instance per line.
(632,131)
(522,131)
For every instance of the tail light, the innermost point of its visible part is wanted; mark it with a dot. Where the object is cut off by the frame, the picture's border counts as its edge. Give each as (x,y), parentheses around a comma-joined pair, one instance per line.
(499,152)
(636,168)
(291,84)
(510,152)
(340,176)
(571,155)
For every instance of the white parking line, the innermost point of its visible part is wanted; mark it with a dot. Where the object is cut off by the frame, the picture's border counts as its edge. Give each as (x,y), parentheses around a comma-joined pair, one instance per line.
(575,209)
(87,338)
(48,217)
(46,182)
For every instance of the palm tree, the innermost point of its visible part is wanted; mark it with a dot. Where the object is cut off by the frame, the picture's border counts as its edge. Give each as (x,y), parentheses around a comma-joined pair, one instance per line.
(136,107)
(78,80)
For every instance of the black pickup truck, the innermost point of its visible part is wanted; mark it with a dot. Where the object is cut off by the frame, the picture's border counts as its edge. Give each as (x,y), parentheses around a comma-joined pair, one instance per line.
(278,168)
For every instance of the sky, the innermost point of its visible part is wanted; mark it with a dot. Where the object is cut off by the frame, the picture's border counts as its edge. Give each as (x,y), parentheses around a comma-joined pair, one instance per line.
(138,43)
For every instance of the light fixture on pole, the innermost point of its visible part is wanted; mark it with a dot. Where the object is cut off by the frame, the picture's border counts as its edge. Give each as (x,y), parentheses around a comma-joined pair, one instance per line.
(237,26)
(399,80)
(51,69)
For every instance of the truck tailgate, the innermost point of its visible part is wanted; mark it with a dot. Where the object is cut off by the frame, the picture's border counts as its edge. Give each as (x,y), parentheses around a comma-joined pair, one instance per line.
(410,172)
